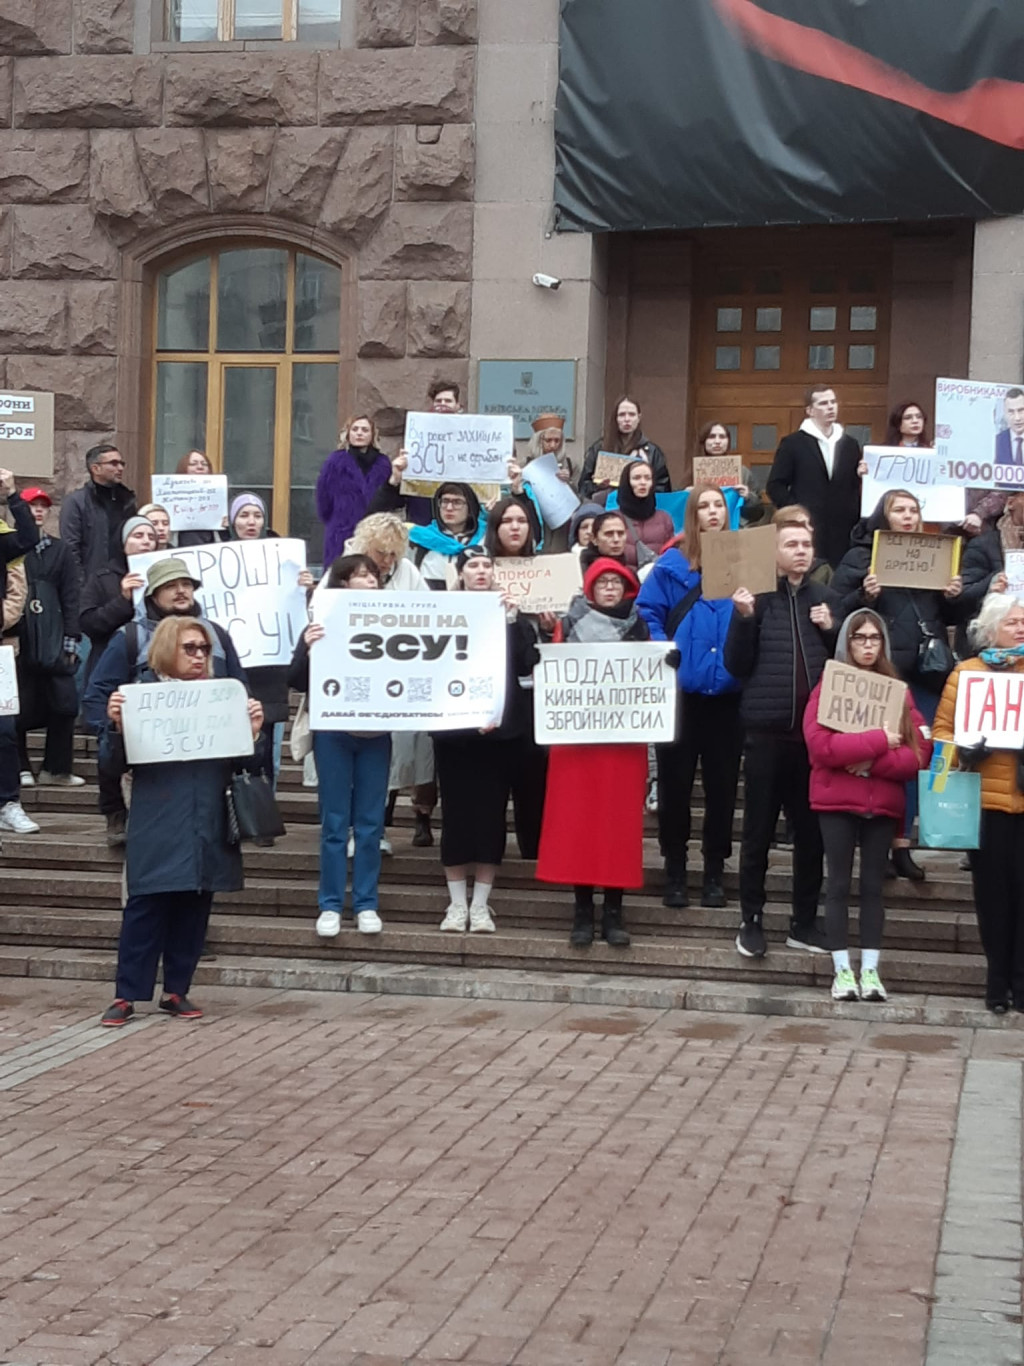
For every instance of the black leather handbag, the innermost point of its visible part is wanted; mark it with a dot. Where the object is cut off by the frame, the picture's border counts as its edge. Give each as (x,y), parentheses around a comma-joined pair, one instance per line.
(252,809)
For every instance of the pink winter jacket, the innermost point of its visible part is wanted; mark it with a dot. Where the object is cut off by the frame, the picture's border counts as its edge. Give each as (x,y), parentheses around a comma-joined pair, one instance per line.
(881,793)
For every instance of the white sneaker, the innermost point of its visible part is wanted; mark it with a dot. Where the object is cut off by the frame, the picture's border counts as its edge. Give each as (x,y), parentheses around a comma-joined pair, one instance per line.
(12,817)
(60,779)
(350,848)
(369,922)
(27,778)
(651,803)
(328,924)
(481,920)
(456,917)
(385,845)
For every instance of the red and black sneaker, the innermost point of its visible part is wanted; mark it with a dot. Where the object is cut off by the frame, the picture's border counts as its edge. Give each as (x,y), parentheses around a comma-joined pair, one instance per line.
(180,1006)
(117,1014)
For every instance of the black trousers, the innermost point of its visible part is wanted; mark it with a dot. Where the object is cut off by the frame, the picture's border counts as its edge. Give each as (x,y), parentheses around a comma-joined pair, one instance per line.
(709,731)
(110,769)
(10,772)
(841,831)
(529,780)
(584,895)
(48,700)
(997,871)
(475,779)
(776,773)
(168,923)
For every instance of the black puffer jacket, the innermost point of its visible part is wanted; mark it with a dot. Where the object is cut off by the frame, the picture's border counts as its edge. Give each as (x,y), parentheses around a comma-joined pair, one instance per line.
(902,608)
(760,650)
(982,561)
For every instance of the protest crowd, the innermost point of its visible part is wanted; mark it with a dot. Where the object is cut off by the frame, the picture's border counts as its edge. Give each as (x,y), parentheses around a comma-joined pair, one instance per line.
(535,615)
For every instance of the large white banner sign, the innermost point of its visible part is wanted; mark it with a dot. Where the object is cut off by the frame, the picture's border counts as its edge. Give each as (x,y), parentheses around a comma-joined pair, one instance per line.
(467,448)
(407,661)
(979,433)
(251,588)
(194,502)
(9,701)
(917,470)
(206,718)
(603,694)
(989,706)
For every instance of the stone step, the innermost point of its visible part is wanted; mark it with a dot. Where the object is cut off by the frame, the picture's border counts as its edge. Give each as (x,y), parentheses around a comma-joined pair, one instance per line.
(533,949)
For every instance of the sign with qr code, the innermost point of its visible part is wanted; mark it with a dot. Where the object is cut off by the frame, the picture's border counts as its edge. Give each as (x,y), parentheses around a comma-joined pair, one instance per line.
(407,661)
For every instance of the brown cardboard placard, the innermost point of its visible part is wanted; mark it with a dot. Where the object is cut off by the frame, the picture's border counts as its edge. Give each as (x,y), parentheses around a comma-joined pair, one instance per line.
(26,433)
(905,559)
(853,700)
(610,466)
(540,583)
(724,470)
(738,559)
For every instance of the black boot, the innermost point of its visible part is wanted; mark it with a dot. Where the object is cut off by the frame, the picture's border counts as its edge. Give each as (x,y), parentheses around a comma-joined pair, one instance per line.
(389,810)
(422,836)
(676,894)
(582,934)
(712,892)
(905,865)
(612,930)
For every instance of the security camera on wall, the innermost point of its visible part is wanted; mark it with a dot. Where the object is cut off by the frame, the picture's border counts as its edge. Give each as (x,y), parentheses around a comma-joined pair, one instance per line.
(547,281)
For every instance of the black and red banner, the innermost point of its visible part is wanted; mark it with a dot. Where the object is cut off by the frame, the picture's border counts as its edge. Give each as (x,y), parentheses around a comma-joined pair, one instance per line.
(705,113)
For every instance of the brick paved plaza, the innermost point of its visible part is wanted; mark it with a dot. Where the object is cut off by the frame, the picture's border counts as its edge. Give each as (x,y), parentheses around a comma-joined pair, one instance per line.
(336,1179)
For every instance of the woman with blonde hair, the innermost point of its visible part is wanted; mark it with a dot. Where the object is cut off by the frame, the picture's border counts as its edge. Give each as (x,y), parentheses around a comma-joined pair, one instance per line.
(160,520)
(177,852)
(347,482)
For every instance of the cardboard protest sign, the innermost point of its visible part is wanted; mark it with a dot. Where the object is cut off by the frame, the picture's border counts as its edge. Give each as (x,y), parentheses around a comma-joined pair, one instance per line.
(555,497)
(724,470)
(251,588)
(26,433)
(407,661)
(9,703)
(468,448)
(609,467)
(540,583)
(920,472)
(989,706)
(619,693)
(173,721)
(1014,570)
(738,559)
(853,699)
(904,559)
(979,433)
(194,502)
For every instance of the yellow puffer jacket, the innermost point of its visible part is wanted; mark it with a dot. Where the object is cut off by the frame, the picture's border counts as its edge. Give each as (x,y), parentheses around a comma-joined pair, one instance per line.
(999,789)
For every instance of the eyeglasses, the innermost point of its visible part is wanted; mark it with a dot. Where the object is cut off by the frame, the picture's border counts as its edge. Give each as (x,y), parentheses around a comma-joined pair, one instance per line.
(864,639)
(111,464)
(453,502)
(193,649)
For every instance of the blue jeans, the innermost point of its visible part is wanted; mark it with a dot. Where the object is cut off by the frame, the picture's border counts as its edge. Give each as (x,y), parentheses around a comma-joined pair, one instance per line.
(353,772)
(927,704)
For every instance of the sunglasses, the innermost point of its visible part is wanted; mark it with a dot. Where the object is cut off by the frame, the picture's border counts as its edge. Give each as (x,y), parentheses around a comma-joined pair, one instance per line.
(193,649)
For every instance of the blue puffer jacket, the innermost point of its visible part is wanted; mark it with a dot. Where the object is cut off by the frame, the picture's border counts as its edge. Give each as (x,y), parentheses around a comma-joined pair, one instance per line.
(700,636)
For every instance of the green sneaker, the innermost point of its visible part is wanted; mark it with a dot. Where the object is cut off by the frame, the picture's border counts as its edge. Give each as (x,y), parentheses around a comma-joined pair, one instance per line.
(844,986)
(871,988)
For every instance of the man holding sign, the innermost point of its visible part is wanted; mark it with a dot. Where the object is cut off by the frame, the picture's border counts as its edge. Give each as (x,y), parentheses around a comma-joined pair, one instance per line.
(777,644)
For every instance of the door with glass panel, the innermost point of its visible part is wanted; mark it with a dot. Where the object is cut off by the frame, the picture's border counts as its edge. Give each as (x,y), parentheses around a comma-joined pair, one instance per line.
(246,351)
(777,312)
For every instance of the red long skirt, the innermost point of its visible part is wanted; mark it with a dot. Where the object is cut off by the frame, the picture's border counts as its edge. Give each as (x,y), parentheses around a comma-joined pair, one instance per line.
(593,828)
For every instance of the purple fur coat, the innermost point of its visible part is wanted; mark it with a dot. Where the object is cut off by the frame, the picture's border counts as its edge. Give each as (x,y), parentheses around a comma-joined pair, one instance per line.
(344,490)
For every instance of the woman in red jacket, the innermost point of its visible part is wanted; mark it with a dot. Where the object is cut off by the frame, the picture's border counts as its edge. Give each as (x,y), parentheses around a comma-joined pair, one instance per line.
(858,790)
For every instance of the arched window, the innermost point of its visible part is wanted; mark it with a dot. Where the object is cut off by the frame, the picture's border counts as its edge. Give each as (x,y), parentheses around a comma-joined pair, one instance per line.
(246,351)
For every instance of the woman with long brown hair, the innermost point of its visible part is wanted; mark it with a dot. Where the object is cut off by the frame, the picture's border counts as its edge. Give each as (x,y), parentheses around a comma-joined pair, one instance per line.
(857,788)
(624,436)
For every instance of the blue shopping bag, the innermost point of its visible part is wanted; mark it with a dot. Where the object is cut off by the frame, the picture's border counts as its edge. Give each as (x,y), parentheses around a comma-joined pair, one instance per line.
(949,816)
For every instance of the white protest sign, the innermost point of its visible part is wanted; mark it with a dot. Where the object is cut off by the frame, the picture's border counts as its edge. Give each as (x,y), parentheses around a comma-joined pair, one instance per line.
(251,588)
(194,502)
(604,694)
(1014,570)
(977,424)
(173,721)
(540,583)
(917,470)
(467,448)
(26,433)
(555,497)
(989,706)
(407,661)
(9,703)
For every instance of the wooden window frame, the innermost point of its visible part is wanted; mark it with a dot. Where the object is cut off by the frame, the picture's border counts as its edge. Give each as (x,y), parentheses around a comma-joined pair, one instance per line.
(226,23)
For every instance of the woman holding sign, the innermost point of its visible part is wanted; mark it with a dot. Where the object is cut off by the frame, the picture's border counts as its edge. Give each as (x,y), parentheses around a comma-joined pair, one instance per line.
(997,865)
(857,788)
(178,855)
(624,437)
(917,620)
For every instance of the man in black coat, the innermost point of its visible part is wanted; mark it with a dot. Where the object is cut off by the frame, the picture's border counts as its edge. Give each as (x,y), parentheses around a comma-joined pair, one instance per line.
(91,517)
(778,644)
(820,467)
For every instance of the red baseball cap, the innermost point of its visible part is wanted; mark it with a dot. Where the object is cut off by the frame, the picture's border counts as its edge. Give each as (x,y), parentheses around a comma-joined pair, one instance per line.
(33,494)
